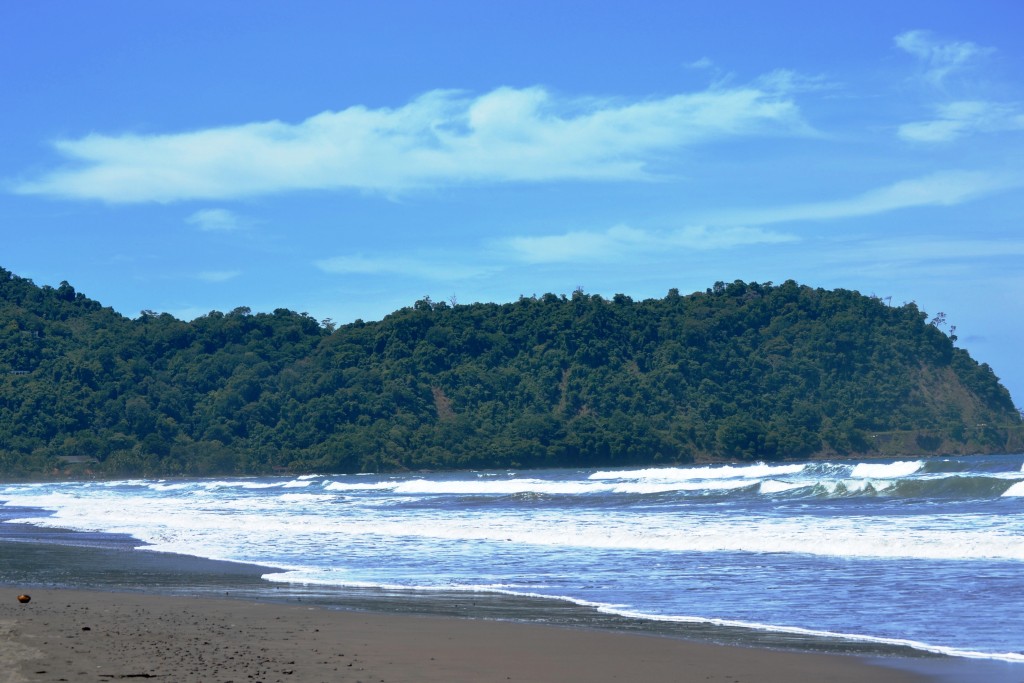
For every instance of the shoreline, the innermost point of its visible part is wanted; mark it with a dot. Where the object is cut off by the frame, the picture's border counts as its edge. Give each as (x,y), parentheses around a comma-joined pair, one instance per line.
(111,572)
(105,577)
(67,559)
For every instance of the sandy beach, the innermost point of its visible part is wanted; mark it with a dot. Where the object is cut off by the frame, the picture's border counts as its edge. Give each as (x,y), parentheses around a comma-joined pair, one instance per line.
(102,611)
(70,635)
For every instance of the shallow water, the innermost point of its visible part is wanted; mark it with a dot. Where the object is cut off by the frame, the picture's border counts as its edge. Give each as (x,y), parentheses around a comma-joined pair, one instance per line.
(920,553)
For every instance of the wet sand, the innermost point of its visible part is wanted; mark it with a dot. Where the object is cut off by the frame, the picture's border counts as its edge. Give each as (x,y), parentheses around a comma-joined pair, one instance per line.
(102,610)
(71,635)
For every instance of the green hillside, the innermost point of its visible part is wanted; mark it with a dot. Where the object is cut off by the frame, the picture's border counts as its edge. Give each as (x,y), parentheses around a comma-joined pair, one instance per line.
(743,371)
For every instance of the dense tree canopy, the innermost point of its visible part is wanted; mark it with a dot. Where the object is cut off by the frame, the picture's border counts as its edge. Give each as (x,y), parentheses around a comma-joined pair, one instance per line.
(741,371)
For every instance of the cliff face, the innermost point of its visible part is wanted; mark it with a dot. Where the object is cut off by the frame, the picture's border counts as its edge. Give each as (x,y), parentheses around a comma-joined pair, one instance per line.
(740,371)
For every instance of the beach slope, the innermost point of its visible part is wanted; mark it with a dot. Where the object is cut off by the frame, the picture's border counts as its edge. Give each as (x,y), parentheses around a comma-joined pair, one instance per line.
(68,635)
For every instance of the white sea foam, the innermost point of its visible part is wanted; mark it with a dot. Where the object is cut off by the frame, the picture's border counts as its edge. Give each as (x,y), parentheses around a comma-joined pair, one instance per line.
(687,486)
(893,470)
(757,471)
(160,486)
(111,484)
(796,630)
(832,479)
(846,487)
(304,498)
(303,577)
(506,487)
(1012,476)
(339,578)
(342,486)
(491,487)
(214,485)
(1015,491)
(405,530)
(771,486)
(247,524)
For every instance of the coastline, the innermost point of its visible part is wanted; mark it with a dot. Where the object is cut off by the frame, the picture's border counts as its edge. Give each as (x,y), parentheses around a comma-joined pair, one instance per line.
(183,617)
(148,603)
(108,563)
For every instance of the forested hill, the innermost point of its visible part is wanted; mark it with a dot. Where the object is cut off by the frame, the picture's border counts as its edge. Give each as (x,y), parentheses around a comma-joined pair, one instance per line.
(739,372)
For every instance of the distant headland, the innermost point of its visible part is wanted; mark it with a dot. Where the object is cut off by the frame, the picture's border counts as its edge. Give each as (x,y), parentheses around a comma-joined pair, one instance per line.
(739,372)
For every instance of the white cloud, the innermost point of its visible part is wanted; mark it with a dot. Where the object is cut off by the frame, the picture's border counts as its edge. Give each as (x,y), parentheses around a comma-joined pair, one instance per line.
(619,241)
(958,119)
(946,249)
(218,275)
(702,237)
(215,220)
(934,257)
(702,63)
(442,137)
(577,247)
(428,267)
(945,188)
(940,58)
(789,81)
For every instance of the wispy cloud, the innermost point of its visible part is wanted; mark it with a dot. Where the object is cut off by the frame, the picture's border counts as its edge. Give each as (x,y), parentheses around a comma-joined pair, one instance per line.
(442,137)
(615,243)
(787,80)
(938,248)
(945,188)
(424,266)
(958,119)
(702,63)
(216,220)
(938,256)
(575,247)
(218,275)
(939,58)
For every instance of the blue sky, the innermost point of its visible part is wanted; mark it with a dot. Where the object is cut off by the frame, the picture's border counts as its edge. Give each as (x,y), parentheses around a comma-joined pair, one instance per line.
(347,158)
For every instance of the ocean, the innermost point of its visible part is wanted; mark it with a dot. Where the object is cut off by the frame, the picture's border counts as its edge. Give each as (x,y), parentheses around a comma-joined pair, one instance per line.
(925,554)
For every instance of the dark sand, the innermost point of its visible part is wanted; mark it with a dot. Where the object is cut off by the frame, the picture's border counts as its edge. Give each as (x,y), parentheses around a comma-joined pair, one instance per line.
(102,611)
(70,635)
